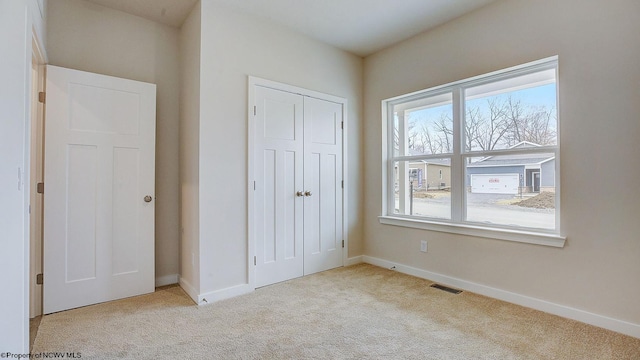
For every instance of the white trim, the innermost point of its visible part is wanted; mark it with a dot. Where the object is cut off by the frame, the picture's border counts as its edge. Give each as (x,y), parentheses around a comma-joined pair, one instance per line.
(251,182)
(167,280)
(564,311)
(223,294)
(252,82)
(354,260)
(345,186)
(529,237)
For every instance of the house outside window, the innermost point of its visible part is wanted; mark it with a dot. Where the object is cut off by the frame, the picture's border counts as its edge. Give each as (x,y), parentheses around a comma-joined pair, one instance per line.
(480,153)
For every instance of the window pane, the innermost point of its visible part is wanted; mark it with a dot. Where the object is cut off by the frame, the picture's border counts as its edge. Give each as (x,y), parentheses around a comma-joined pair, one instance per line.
(422,188)
(428,126)
(512,112)
(513,190)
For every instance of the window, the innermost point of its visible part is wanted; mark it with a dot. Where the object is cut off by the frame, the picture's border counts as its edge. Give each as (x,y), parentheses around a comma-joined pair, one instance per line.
(478,156)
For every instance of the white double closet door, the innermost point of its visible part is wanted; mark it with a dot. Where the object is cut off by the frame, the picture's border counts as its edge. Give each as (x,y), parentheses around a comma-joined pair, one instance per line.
(298,222)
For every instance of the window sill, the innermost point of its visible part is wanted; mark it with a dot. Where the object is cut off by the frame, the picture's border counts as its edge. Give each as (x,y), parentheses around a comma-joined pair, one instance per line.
(529,237)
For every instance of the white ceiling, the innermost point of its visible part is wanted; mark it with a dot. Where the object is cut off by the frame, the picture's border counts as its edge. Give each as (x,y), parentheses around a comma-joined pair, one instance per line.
(358,26)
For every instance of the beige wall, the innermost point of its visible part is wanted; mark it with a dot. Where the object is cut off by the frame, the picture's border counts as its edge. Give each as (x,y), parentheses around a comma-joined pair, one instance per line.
(599,84)
(190,152)
(89,37)
(235,46)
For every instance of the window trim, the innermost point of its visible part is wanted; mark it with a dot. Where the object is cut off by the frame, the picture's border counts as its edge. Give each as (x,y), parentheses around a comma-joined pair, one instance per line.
(457,224)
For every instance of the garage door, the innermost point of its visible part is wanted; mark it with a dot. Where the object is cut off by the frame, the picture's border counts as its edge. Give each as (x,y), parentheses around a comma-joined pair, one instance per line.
(495,183)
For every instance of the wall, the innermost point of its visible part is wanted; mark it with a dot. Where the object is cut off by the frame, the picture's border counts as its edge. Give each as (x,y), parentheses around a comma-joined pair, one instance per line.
(189,152)
(596,274)
(89,37)
(17,19)
(235,46)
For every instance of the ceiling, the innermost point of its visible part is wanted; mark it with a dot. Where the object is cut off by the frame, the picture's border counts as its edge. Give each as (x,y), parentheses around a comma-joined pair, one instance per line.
(361,27)
(169,12)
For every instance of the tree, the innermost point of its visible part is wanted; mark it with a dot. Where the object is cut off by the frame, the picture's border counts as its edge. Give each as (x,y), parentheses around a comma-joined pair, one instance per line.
(444,137)
(486,130)
(528,123)
(497,122)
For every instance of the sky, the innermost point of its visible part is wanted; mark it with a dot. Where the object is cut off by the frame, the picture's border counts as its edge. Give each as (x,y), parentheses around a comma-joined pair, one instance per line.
(538,96)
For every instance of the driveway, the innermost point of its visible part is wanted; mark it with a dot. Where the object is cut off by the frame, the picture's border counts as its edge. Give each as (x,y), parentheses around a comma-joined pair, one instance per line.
(487,209)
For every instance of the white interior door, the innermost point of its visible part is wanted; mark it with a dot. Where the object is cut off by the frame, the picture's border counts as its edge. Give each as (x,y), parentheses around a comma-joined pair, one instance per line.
(99,167)
(278,171)
(323,182)
(298,190)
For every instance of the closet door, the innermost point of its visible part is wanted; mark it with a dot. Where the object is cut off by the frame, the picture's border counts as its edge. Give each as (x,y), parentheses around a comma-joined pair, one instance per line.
(278,161)
(297,199)
(323,185)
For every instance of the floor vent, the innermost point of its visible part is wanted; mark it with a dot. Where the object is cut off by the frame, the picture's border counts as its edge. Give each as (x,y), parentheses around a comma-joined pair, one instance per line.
(447,289)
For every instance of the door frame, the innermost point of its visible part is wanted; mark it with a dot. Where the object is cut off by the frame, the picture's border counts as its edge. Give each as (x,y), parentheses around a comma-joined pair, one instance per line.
(252,82)
(533,181)
(36,173)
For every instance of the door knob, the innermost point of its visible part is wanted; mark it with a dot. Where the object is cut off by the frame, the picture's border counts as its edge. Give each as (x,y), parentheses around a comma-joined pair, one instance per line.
(307,193)
(299,193)
(148,198)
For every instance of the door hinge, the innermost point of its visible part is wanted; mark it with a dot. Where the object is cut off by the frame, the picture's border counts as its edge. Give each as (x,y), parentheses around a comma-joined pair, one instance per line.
(42,96)
(255,261)
(343,244)
(40,188)
(342,125)
(255,110)
(39,279)
(342,184)
(254,186)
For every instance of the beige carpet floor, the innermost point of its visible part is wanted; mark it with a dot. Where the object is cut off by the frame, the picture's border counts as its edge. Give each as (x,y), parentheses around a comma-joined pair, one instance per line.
(358,312)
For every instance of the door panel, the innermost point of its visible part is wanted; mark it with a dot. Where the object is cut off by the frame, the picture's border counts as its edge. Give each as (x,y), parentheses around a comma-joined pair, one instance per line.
(82,181)
(323,177)
(99,166)
(278,168)
(126,177)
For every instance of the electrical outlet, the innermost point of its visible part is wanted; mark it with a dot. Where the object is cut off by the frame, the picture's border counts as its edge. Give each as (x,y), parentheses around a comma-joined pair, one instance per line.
(423,246)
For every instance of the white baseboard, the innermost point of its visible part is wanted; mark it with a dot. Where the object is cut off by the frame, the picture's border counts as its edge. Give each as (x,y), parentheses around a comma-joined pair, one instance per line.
(167,280)
(189,289)
(616,325)
(353,261)
(222,294)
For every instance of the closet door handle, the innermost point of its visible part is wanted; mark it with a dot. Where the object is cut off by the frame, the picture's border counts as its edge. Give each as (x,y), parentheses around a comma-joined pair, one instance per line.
(299,193)
(307,193)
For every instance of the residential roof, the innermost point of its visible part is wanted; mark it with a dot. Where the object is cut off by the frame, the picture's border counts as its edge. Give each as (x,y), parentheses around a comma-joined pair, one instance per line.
(442,162)
(512,160)
(516,159)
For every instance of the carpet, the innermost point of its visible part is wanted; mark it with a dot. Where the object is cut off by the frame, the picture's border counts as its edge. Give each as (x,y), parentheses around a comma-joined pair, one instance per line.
(357,312)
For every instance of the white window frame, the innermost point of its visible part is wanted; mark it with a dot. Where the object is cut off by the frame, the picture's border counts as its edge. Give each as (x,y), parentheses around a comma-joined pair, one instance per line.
(457,224)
